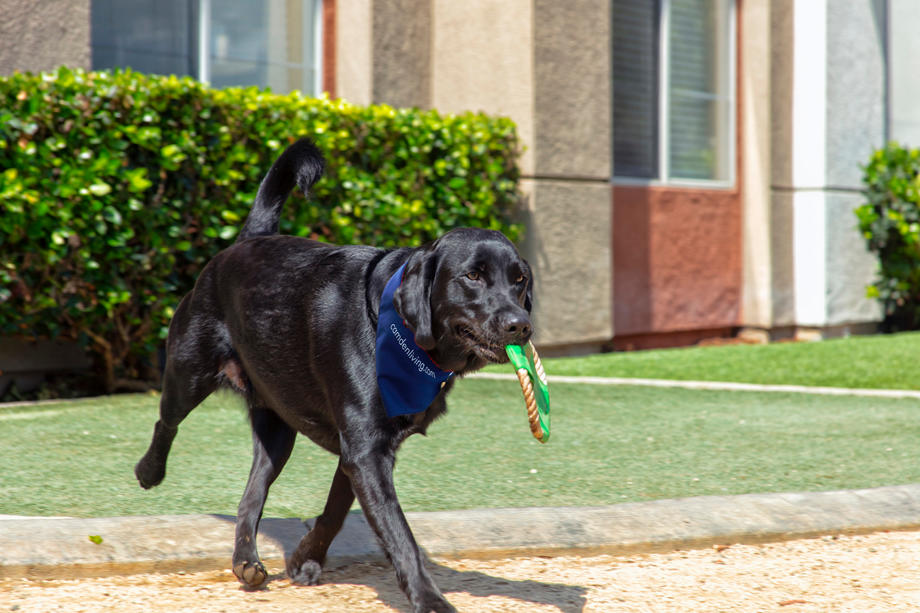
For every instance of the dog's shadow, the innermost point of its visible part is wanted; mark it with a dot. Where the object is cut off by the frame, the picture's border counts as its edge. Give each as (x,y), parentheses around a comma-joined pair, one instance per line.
(356,558)
(380,577)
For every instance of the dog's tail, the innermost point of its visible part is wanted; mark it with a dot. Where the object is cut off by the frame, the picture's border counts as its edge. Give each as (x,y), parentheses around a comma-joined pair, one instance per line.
(302,164)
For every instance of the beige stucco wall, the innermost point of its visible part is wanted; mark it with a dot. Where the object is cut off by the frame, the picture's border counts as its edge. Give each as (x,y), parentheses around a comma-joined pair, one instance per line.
(754,75)
(353,53)
(571,256)
(572,194)
(546,65)
(402,54)
(781,99)
(482,59)
(39,36)
(572,89)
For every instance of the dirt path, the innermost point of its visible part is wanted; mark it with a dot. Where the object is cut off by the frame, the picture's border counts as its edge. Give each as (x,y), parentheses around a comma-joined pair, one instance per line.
(879,572)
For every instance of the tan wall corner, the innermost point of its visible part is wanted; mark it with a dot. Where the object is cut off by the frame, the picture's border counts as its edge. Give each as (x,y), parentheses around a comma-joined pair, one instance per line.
(353,47)
(754,73)
(40,36)
(568,245)
(573,88)
(482,60)
(402,53)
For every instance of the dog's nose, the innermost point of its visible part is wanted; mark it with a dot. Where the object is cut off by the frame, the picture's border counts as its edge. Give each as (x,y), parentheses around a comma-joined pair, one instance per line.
(517,328)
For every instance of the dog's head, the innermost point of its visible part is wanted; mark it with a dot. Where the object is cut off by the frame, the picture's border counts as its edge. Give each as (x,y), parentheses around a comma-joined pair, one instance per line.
(465,296)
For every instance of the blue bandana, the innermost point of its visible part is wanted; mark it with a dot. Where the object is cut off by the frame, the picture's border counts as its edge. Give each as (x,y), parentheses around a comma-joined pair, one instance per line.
(408,379)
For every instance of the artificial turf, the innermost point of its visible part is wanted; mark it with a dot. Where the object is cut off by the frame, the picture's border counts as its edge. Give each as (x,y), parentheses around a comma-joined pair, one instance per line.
(609,445)
(880,361)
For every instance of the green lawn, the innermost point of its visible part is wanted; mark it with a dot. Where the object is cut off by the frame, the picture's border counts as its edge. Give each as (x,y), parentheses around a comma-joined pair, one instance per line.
(609,445)
(880,361)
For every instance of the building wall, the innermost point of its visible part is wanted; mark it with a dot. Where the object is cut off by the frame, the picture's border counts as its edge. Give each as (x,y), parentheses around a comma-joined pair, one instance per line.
(856,119)
(40,36)
(572,239)
(686,259)
(402,52)
(755,122)
(779,250)
(904,53)
(482,60)
(546,65)
(828,112)
(569,245)
(781,99)
(678,264)
(354,60)
(329,49)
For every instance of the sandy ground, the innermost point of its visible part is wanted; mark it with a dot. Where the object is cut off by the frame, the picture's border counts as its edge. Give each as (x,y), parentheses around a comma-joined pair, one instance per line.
(878,572)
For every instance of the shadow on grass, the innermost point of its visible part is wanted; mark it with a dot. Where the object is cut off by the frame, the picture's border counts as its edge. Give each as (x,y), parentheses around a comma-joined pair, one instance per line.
(355,558)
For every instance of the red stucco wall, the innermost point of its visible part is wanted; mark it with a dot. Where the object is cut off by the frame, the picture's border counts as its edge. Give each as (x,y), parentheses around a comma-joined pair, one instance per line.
(677,262)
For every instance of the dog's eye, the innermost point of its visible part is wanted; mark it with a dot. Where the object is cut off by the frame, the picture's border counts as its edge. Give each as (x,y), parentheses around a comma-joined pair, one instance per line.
(473,276)
(520,279)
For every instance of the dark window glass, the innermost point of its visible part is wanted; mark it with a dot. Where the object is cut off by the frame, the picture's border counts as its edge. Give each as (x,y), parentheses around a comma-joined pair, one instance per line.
(153,36)
(635,88)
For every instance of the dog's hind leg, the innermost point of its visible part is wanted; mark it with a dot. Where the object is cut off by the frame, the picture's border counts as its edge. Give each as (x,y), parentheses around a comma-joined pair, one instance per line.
(191,374)
(272,443)
(176,402)
(306,563)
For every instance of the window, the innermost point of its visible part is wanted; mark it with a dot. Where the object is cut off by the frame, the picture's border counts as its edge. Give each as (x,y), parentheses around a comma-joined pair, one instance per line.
(674,90)
(268,43)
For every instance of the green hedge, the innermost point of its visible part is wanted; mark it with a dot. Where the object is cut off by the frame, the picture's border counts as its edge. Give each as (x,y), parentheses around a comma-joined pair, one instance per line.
(890,223)
(116,188)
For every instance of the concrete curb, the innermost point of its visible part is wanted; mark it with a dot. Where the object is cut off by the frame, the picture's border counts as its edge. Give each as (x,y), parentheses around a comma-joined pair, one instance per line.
(44,547)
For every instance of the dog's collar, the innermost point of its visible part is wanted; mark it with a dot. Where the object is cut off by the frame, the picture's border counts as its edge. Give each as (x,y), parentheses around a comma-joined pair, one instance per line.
(408,378)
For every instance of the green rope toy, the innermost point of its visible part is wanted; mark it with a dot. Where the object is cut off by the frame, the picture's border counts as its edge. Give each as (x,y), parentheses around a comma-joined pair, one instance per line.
(532,377)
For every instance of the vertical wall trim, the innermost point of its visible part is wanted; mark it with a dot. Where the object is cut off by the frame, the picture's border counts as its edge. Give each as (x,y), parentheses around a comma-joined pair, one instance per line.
(886,56)
(809,142)
(809,86)
(809,246)
(754,121)
(329,50)
(204,41)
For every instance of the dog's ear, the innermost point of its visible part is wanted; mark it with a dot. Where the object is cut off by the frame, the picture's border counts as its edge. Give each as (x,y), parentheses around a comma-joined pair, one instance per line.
(413,296)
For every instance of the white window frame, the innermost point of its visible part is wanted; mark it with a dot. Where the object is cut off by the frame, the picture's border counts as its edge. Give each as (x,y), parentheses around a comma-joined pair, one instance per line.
(664,177)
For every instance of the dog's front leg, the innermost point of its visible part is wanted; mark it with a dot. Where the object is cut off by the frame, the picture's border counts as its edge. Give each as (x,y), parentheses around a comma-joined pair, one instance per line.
(305,564)
(369,466)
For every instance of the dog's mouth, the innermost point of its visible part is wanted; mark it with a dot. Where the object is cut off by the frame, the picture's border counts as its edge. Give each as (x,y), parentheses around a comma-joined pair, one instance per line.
(482,347)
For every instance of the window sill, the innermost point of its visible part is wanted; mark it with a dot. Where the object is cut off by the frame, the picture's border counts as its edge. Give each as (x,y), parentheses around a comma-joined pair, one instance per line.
(674,183)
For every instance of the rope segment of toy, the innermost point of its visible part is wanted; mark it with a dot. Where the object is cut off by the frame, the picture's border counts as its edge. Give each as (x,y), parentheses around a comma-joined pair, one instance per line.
(530,400)
(529,371)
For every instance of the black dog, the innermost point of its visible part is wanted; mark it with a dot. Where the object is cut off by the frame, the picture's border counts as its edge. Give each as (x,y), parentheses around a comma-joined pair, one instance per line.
(292,324)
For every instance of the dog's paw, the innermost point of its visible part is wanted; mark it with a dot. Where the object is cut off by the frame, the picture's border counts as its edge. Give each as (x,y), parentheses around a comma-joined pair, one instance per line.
(251,574)
(434,604)
(149,473)
(306,573)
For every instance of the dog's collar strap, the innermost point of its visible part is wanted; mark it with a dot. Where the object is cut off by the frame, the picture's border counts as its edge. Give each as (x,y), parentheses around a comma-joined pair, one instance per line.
(408,378)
